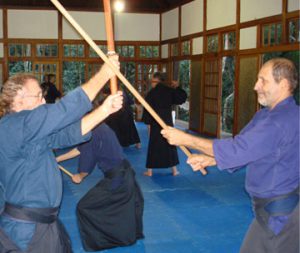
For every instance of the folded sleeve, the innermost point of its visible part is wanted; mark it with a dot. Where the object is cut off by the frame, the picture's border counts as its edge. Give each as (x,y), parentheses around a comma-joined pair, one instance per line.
(252,145)
(69,136)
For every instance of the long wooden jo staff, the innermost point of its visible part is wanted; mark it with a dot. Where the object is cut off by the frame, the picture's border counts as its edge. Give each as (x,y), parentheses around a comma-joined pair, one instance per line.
(88,39)
(110,41)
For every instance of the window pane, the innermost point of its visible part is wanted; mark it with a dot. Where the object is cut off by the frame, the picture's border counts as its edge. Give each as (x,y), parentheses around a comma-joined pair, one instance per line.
(19,67)
(229,41)
(46,50)
(19,50)
(186,48)
(73,50)
(227,116)
(73,75)
(128,70)
(142,51)
(212,43)
(272,39)
(130,51)
(294,31)
(266,35)
(174,49)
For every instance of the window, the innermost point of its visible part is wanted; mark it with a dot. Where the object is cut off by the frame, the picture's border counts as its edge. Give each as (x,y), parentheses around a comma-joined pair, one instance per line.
(128,70)
(294,31)
(73,75)
(93,54)
(46,50)
(149,51)
(271,34)
(19,50)
(93,69)
(227,102)
(229,41)
(182,73)
(186,47)
(41,69)
(145,72)
(174,49)
(73,50)
(126,51)
(212,43)
(19,67)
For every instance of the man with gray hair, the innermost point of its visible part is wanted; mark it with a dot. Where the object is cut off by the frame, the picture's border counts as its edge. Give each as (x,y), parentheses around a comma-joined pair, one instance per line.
(269,147)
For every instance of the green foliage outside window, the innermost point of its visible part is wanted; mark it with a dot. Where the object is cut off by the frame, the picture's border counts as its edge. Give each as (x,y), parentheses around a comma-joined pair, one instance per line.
(46,50)
(294,31)
(93,54)
(212,43)
(183,112)
(73,75)
(19,50)
(19,67)
(227,106)
(73,50)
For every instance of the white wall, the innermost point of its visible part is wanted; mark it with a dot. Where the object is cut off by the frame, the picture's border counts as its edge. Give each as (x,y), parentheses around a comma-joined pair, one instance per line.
(192,17)
(293,5)
(170,24)
(198,45)
(255,9)
(92,22)
(32,24)
(137,27)
(221,13)
(164,51)
(1,24)
(248,38)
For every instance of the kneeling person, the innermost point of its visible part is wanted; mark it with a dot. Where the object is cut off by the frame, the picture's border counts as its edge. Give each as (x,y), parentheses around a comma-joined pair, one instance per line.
(110,214)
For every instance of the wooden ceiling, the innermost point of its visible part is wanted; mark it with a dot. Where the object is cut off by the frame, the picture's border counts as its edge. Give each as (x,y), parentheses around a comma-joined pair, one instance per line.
(140,6)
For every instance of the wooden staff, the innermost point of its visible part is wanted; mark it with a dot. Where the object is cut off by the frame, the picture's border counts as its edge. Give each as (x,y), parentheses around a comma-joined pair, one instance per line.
(110,41)
(65,171)
(93,45)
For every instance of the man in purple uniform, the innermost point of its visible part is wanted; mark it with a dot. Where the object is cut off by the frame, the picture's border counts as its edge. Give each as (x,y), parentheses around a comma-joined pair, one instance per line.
(269,147)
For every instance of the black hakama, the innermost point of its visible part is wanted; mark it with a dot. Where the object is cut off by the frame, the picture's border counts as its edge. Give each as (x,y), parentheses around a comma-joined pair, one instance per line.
(110,216)
(160,153)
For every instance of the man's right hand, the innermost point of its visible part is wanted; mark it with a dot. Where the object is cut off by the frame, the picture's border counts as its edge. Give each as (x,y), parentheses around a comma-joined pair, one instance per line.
(112,103)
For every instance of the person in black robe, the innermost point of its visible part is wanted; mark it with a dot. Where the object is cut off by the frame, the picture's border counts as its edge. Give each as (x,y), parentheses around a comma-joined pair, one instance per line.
(122,122)
(110,214)
(161,97)
(51,93)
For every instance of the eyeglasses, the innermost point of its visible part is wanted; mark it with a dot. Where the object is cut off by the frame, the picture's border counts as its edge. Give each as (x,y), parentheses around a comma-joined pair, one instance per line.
(40,96)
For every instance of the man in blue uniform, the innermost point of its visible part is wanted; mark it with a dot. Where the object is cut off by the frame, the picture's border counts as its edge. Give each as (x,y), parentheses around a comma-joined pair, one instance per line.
(269,147)
(111,213)
(29,130)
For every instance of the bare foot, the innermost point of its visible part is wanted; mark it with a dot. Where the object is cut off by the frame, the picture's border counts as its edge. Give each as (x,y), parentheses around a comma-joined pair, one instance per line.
(138,145)
(148,173)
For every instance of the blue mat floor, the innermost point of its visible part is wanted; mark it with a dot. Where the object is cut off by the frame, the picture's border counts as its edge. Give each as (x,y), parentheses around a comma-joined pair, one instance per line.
(185,214)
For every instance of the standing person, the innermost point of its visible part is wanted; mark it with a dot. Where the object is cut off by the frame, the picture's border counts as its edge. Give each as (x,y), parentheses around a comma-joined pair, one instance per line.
(51,93)
(111,213)
(269,147)
(122,122)
(161,97)
(32,184)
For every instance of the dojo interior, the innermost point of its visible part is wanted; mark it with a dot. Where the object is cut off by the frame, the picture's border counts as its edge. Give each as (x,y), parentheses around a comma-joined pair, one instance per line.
(214,48)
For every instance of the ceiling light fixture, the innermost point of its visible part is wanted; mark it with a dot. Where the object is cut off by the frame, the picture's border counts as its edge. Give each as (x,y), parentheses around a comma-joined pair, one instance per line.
(119,6)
